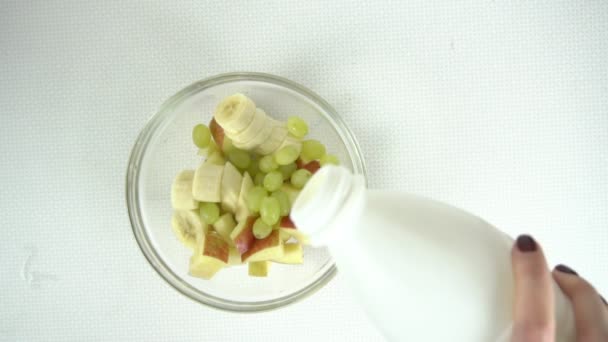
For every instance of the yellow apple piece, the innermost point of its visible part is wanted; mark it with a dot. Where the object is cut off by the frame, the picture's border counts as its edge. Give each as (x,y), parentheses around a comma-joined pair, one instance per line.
(230,187)
(292,254)
(209,259)
(234,258)
(268,248)
(242,210)
(242,235)
(259,268)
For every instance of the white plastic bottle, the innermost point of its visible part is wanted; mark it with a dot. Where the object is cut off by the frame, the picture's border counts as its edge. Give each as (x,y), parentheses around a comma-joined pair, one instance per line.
(423,270)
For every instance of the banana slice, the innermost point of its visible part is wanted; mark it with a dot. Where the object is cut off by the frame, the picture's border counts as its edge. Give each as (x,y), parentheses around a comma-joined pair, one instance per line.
(181,191)
(242,210)
(258,123)
(235,113)
(276,138)
(263,135)
(206,186)
(189,228)
(231,187)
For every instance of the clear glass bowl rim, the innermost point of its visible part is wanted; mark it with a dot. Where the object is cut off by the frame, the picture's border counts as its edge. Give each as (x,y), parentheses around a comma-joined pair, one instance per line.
(132,191)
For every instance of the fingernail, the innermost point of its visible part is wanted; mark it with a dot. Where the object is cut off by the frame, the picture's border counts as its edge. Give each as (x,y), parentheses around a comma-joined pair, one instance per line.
(526,243)
(565,269)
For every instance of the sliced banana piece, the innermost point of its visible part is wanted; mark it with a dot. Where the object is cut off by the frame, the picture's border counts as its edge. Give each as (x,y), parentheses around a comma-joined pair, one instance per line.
(189,228)
(206,186)
(261,137)
(274,140)
(181,191)
(235,113)
(231,187)
(242,210)
(258,123)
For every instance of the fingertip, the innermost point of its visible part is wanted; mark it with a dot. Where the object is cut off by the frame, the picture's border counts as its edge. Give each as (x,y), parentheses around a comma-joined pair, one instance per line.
(533,289)
(586,303)
(565,269)
(570,281)
(526,243)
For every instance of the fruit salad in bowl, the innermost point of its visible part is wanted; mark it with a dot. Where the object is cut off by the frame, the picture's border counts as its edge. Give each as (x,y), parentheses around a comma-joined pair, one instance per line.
(234,208)
(211,181)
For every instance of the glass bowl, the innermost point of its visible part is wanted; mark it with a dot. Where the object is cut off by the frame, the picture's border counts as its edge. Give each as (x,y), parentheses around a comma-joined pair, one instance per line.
(165,147)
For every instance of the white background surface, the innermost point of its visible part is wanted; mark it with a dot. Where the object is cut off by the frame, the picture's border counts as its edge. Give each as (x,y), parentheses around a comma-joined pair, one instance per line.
(500,107)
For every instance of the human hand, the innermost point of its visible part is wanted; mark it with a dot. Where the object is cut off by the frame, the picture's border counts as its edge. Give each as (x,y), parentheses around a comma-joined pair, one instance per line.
(534,319)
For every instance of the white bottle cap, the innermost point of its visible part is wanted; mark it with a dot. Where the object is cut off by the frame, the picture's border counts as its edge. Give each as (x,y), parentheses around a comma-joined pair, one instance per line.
(321,202)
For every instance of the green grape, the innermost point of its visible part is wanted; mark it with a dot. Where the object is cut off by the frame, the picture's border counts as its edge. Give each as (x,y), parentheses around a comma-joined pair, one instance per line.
(239,158)
(261,229)
(287,170)
(216,158)
(297,127)
(209,212)
(270,210)
(312,149)
(267,164)
(300,177)
(254,198)
(210,149)
(329,159)
(273,181)
(283,202)
(286,155)
(259,179)
(201,136)
(227,145)
(253,167)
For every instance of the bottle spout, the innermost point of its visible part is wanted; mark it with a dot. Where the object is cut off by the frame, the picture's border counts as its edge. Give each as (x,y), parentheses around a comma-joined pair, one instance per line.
(327,197)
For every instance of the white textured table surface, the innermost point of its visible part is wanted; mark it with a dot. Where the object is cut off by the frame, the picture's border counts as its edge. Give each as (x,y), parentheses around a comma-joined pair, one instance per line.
(500,107)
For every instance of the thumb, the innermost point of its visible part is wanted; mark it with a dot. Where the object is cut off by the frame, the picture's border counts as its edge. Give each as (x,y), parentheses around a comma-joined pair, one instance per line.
(533,319)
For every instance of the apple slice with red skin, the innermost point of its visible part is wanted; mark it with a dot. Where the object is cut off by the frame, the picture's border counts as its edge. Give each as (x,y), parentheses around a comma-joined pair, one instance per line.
(286,222)
(242,235)
(268,248)
(213,257)
(286,225)
(300,163)
(216,247)
(217,132)
(312,166)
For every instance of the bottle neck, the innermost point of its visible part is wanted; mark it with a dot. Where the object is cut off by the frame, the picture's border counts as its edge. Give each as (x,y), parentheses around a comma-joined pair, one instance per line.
(331,201)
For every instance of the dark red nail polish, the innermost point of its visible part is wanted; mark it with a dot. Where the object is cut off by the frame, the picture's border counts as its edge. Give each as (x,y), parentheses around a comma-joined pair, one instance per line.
(565,269)
(526,243)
